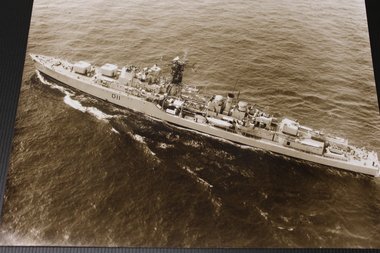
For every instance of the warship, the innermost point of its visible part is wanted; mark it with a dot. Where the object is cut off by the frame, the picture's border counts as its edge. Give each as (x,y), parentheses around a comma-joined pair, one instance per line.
(168,99)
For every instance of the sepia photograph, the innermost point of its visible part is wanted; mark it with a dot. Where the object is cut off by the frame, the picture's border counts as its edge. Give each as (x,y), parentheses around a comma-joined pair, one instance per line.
(195,124)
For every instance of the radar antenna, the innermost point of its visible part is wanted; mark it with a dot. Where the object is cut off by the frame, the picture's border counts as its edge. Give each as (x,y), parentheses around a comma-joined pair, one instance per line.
(177,68)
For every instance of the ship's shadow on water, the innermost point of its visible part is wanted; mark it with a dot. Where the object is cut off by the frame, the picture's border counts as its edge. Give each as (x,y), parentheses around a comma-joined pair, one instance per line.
(102,175)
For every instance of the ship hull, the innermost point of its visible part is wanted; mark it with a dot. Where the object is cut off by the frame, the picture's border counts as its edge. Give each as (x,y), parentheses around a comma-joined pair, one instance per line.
(148,108)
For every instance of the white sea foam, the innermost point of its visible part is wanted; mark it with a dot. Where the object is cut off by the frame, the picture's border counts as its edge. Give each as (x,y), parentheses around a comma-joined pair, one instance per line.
(199,179)
(164,145)
(193,143)
(262,213)
(204,182)
(216,201)
(139,138)
(91,110)
(74,103)
(52,85)
(115,131)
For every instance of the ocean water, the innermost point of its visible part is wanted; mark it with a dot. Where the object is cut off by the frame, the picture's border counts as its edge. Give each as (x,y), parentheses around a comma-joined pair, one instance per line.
(87,173)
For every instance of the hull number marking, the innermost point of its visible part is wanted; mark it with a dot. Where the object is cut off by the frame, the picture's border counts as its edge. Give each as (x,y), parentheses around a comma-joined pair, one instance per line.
(115,96)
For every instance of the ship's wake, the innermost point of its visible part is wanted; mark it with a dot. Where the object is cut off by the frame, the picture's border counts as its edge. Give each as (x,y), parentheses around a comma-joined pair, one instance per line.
(216,201)
(117,126)
(75,103)
(91,110)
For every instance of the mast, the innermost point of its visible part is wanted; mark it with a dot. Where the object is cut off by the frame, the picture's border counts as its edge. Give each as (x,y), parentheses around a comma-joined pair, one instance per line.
(177,70)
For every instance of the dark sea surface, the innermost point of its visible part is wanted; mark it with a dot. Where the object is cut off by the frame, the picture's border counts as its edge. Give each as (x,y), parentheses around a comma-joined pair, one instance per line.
(87,173)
